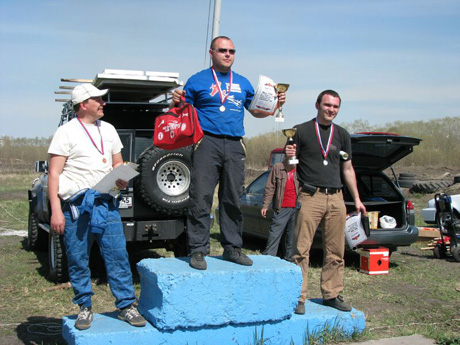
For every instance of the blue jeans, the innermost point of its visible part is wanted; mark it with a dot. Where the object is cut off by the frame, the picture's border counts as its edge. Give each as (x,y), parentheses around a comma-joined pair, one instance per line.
(78,239)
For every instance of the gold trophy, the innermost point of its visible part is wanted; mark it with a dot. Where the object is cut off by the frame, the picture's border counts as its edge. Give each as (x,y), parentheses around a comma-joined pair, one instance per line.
(343,155)
(289,133)
(280,88)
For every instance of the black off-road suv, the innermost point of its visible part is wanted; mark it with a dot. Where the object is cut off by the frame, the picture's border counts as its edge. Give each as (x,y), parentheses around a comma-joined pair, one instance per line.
(154,205)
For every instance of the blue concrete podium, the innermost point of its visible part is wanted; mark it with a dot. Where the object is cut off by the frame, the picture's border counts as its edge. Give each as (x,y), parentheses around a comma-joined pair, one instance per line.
(226,304)
(174,295)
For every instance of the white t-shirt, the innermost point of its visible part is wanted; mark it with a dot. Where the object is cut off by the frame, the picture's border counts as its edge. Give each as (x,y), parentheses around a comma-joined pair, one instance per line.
(84,166)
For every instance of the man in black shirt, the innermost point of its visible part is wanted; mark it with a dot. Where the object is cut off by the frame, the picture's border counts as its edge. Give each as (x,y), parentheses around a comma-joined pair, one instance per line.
(324,152)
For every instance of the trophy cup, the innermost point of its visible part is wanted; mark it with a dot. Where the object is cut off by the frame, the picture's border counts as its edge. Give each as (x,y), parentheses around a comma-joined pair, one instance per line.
(343,155)
(289,133)
(280,88)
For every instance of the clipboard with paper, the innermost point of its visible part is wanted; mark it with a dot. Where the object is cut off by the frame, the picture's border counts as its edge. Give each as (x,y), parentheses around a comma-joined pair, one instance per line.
(125,172)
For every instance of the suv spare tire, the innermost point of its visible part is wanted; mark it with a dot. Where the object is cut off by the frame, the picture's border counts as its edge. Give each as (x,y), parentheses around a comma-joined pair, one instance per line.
(164,179)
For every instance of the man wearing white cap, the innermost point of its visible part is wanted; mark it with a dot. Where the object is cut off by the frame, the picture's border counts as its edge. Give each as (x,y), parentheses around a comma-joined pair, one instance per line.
(82,152)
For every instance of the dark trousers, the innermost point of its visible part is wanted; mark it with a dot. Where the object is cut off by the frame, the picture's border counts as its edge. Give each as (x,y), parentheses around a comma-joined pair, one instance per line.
(283,219)
(216,160)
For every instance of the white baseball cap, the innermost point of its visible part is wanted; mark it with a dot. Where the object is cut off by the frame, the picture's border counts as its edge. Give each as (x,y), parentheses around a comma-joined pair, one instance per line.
(84,91)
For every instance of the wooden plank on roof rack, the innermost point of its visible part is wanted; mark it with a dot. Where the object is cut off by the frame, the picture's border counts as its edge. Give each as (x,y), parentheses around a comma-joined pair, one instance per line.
(76,80)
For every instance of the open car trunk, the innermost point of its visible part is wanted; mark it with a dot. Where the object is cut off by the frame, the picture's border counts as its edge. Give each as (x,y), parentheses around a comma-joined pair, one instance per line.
(378,193)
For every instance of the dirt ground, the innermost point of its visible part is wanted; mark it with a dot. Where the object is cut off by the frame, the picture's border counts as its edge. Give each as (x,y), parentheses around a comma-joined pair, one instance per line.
(422,174)
(35,329)
(26,331)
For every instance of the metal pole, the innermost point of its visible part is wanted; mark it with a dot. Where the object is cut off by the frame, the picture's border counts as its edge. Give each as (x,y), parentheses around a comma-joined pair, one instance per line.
(216,21)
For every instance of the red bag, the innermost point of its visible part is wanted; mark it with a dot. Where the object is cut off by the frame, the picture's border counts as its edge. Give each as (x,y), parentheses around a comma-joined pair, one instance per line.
(178,127)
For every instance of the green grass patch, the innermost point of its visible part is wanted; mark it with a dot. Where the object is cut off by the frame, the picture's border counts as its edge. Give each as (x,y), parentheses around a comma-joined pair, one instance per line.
(419,295)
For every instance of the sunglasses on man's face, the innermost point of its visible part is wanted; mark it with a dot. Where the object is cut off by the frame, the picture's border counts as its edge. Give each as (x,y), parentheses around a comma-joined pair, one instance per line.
(225,50)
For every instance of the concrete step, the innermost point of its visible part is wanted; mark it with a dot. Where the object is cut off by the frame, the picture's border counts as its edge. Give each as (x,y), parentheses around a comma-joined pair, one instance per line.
(225,304)
(107,329)
(174,295)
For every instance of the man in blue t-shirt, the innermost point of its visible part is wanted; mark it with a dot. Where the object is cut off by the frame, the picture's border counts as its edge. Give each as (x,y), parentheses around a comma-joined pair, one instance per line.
(219,96)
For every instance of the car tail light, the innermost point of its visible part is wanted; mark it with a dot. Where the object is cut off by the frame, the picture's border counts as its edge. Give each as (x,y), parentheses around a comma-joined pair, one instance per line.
(410,212)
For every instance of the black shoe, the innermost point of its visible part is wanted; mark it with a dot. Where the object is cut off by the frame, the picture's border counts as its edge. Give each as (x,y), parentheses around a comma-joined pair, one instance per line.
(85,316)
(300,309)
(197,261)
(337,303)
(131,315)
(237,256)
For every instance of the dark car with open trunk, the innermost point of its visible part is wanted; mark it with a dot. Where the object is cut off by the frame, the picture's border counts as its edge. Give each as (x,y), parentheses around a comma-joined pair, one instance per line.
(372,154)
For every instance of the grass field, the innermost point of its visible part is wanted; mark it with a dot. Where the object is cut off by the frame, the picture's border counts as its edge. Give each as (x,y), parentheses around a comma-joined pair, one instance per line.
(420,295)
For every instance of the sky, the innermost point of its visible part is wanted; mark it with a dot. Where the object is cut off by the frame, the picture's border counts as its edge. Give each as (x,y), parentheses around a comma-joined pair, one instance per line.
(390,60)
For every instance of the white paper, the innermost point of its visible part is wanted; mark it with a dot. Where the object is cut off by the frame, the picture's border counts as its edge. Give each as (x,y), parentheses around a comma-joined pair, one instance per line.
(265,100)
(123,172)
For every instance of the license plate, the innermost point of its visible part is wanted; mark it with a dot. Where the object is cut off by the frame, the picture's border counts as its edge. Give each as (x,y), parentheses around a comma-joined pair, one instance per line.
(126,202)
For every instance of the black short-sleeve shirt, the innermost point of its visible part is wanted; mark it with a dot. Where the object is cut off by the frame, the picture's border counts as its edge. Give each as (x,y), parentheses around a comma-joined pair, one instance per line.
(309,153)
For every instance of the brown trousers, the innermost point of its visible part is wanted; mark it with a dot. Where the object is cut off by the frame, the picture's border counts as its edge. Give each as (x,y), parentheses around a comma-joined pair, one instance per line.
(329,211)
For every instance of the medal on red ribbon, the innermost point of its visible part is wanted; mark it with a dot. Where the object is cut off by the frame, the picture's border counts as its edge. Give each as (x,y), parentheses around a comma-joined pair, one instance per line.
(223,97)
(101,151)
(324,152)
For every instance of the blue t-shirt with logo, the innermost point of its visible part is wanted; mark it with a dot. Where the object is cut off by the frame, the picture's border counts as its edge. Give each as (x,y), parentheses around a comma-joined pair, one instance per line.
(201,91)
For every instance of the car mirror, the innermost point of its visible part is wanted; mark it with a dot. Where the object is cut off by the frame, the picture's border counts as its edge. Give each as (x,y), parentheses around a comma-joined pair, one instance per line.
(41,166)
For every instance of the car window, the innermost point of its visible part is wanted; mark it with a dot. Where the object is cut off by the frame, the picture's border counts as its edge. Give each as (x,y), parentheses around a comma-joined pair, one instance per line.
(276,157)
(375,188)
(258,186)
(382,150)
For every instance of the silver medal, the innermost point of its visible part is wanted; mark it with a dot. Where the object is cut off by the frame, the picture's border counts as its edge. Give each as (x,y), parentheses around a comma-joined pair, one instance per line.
(222,108)
(325,162)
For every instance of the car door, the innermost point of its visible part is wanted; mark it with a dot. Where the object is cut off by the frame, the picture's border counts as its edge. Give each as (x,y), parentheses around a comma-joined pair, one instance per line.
(251,203)
(378,151)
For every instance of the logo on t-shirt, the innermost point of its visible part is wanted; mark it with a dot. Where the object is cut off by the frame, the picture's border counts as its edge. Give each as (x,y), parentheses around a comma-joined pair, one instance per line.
(237,102)
(215,90)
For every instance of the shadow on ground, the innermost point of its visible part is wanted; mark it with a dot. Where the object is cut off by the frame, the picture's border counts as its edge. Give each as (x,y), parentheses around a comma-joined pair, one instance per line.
(40,330)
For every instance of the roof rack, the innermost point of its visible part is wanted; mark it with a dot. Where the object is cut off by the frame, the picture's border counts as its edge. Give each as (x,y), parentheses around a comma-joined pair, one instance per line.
(128,85)
(125,86)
